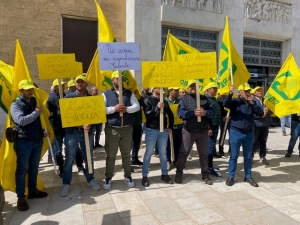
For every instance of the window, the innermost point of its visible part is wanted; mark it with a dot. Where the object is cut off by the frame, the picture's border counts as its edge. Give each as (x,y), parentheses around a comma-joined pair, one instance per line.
(80,37)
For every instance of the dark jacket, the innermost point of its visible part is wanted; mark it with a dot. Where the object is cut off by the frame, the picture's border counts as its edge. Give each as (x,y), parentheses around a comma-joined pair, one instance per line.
(295,118)
(137,117)
(186,112)
(54,109)
(152,113)
(217,119)
(242,113)
(258,120)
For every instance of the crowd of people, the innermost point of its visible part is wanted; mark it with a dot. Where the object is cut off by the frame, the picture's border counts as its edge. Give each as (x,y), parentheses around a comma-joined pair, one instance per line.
(246,118)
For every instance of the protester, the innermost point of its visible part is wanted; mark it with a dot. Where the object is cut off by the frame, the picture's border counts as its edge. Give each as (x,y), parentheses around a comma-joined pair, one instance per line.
(118,130)
(242,110)
(28,146)
(210,92)
(74,138)
(56,123)
(194,131)
(261,126)
(295,133)
(146,93)
(176,129)
(71,86)
(152,109)
(97,127)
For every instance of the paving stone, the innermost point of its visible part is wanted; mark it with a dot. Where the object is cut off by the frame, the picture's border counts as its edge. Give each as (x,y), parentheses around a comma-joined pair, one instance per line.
(142,219)
(283,191)
(204,216)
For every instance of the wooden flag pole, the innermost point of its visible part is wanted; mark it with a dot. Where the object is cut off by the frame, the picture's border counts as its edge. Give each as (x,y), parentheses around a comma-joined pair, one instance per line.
(161,115)
(60,88)
(172,147)
(88,151)
(51,152)
(120,90)
(224,130)
(231,75)
(198,99)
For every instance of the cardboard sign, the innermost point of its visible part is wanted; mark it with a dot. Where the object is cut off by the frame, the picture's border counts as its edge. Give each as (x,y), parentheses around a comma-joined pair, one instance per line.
(82,111)
(195,66)
(79,68)
(52,66)
(161,74)
(119,56)
(174,108)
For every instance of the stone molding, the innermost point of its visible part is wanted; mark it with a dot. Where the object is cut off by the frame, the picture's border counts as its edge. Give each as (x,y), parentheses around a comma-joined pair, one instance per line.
(215,6)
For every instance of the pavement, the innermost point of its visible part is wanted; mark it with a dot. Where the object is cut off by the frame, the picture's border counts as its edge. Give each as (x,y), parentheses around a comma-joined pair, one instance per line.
(275,201)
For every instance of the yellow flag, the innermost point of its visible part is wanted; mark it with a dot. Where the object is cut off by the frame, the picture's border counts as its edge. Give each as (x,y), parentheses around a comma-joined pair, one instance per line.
(6,75)
(230,59)
(7,155)
(283,96)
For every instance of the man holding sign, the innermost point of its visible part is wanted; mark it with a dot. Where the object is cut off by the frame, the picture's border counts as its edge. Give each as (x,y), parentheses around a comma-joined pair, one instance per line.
(118,130)
(194,131)
(75,137)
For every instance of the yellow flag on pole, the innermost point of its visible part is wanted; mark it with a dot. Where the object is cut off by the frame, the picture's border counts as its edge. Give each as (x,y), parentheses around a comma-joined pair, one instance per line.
(283,96)
(230,59)
(6,76)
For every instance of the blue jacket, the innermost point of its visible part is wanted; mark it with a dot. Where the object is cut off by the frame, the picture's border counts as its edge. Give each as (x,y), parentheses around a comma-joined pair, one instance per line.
(242,113)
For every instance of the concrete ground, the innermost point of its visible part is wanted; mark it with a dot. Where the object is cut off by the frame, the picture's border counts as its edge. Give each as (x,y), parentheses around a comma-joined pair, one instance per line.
(276,201)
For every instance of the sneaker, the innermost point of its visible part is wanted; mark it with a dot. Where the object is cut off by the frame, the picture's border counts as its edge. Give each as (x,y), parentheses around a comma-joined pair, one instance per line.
(207,180)
(65,190)
(288,155)
(95,186)
(166,179)
(107,183)
(37,194)
(22,204)
(178,179)
(264,161)
(189,157)
(170,166)
(217,155)
(130,183)
(136,162)
(283,133)
(214,173)
(80,170)
(145,182)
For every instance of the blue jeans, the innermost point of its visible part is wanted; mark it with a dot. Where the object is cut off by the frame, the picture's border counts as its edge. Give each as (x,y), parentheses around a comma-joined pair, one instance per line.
(236,140)
(72,139)
(212,140)
(285,121)
(28,159)
(153,136)
(295,133)
(55,148)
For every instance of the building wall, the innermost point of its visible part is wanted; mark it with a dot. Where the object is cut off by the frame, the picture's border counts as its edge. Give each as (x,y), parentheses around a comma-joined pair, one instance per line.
(37,25)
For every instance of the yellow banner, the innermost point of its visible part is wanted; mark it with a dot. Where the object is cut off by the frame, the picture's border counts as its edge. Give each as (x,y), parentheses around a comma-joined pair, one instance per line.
(161,74)
(82,111)
(79,68)
(174,108)
(52,66)
(200,65)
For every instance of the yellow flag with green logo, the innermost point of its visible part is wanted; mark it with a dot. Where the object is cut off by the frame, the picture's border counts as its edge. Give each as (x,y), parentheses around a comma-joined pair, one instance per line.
(6,75)
(283,96)
(229,59)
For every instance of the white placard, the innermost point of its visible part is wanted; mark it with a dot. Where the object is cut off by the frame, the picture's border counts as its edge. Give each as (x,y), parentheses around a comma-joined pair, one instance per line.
(119,56)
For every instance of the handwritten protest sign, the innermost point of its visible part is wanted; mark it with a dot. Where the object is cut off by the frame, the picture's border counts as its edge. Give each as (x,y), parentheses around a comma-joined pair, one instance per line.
(161,74)
(200,65)
(52,66)
(82,110)
(174,108)
(79,69)
(119,56)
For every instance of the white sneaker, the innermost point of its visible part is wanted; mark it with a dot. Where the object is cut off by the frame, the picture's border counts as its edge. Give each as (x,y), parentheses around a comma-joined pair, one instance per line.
(129,182)
(94,185)
(65,190)
(107,183)
(189,157)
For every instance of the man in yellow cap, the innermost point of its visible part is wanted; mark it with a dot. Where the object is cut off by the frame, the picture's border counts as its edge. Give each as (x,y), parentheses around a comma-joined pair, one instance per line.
(194,131)
(210,92)
(261,126)
(182,92)
(28,146)
(71,86)
(74,138)
(118,130)
(242,110)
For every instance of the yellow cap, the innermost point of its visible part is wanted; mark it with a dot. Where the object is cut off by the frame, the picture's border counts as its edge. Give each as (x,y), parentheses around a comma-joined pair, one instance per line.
(175,88)
(80,77)
(182,90)
(222,92)
(190,82)
(210,85)
(255,89)
(71,83)
(115,74)
(55,82)
(25,84)
(244,87)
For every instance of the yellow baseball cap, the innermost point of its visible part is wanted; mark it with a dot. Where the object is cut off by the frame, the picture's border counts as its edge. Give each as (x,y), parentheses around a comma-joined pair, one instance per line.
(115,74)
(80,77)
(190,82)
(182,90)
(71,83)
(55,82)
(222,92)
(175,88)
(25,84)
(210,85)
(256,88)
(244,87)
